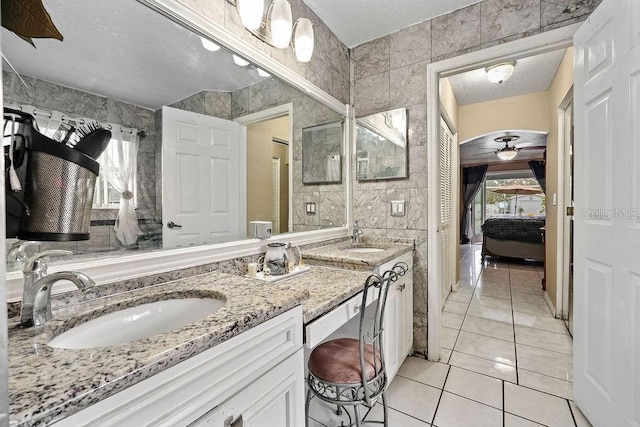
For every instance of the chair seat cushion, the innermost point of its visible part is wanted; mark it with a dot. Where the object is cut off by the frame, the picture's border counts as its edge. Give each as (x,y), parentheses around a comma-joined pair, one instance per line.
(338,361)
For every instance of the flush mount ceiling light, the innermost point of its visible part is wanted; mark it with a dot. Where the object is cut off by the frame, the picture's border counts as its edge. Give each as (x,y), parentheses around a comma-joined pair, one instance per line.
(240,61)
(263,73)
(498,73)
(275,27)
(209,45)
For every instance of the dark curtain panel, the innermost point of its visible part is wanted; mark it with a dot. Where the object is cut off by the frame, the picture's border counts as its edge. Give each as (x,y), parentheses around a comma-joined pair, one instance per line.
(472,179)
(537,167)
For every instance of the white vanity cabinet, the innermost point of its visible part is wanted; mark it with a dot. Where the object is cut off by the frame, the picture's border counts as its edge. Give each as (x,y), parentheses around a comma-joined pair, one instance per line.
(398,320)
(253,379)
(343,321)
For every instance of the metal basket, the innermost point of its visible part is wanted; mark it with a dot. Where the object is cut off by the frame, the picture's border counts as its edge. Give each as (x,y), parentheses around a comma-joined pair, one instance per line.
(59,192)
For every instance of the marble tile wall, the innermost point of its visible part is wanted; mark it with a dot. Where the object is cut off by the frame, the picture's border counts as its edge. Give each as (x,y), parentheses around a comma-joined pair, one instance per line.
(390,72)
(329,67)
(48,96)
(329,198)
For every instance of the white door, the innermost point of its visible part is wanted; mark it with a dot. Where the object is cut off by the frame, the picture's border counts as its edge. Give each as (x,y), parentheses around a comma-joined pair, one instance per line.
(607,225)
(448,212)
(201,197)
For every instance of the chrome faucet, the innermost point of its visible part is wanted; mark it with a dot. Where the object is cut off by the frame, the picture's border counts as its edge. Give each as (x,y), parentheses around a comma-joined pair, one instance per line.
(36,294)
(357,232)
(17,254)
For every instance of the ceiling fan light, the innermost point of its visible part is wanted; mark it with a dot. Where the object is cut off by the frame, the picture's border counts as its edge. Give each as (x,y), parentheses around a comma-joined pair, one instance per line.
(500,72)
(251,12)
(507,155)
(303,39)
(281,23)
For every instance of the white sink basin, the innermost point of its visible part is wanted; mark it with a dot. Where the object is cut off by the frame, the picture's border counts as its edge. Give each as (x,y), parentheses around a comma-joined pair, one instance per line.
(363,250)
(138,322)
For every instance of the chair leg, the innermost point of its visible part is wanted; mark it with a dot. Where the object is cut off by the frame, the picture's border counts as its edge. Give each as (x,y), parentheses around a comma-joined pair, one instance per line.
(306,407)
(385,409)
(356,411)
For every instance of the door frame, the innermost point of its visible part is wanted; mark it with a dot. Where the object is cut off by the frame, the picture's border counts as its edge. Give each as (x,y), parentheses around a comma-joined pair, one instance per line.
(551,40)
(562,245)
(261,116)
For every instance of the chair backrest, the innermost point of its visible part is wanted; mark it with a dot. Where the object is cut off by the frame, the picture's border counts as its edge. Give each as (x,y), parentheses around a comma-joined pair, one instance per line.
(371,329)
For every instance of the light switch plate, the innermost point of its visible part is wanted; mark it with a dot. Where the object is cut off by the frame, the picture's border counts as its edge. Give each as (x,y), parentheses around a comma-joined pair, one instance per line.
(398,208)
(310,208)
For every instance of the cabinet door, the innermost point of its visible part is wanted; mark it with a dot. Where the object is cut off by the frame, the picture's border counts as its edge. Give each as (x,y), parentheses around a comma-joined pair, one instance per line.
(391,335)
(275,399)
(406,333)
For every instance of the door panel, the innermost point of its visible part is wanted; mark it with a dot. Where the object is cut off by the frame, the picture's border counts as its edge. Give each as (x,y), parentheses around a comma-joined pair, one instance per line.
(607,231)
(202,153)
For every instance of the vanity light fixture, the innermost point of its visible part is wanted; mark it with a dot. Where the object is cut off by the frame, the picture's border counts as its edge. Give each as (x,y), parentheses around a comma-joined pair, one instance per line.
(281,22)
(303,39)
(209,45)
(498,73)
(276,26)
(241,62)
(263,73)
(250,12)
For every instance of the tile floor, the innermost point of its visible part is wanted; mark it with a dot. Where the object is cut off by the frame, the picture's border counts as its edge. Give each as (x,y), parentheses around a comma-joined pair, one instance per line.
(505,360)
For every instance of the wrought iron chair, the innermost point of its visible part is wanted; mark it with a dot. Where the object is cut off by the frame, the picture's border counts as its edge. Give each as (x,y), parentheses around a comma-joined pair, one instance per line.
(351,372)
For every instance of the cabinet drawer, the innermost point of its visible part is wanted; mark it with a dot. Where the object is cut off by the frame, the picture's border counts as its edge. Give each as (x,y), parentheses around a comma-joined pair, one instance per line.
(183,393)
(321,328)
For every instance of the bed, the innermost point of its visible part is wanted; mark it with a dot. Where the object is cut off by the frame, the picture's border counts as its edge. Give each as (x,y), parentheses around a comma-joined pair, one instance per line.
(513,237)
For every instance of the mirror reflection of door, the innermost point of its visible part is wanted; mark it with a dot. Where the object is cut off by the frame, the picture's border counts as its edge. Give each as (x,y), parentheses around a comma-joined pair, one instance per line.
(268,173)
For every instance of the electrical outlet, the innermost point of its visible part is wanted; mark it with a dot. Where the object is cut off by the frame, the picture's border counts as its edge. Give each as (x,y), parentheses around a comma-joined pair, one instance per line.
(398,208)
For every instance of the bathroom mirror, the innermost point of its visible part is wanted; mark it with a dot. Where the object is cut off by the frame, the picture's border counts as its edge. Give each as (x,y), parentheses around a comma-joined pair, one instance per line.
(111,68)
(322,154)
(381,146)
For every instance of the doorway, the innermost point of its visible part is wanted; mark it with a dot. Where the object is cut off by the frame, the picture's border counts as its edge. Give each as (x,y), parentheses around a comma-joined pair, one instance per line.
(265,140)
(546,42)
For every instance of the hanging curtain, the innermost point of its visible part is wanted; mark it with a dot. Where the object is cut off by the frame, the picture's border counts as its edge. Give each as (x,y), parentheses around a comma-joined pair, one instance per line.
(537,167)
(472,179)
(121,157)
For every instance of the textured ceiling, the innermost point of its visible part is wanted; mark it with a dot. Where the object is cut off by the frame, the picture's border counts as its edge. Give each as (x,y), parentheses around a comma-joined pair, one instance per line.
(124,50)
(532,74)
(482,149)
(358,21)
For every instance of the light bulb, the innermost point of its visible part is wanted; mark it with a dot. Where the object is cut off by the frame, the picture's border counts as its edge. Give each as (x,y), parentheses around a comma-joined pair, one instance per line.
(281,23)
(263,73)
(251,12)
(209,45)
(303,40)
(240,61)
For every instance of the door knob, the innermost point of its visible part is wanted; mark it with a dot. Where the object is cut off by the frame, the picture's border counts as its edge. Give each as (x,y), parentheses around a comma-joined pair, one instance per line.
(172,224)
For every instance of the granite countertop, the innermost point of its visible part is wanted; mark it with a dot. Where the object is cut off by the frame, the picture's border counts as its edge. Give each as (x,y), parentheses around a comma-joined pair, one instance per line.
(338,255)
(47,384)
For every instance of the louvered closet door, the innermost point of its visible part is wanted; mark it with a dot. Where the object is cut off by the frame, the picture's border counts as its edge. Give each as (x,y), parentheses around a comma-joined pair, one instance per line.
(447,217)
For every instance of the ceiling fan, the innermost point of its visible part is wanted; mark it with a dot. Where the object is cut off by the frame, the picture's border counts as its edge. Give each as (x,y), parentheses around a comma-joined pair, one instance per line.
(509,152)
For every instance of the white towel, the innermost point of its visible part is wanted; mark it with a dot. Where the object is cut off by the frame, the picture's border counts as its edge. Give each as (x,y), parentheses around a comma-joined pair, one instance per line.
(333,168)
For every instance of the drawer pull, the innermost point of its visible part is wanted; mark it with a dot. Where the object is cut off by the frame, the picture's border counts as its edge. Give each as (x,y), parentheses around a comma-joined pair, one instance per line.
(402,287)
(356,308)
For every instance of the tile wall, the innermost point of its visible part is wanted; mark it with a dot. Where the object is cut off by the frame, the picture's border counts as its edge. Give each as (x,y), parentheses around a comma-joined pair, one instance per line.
(390,72)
